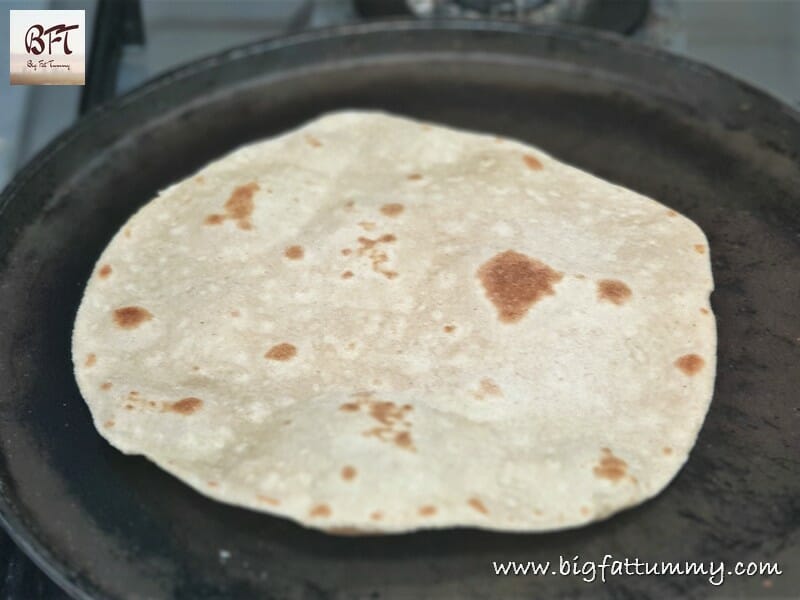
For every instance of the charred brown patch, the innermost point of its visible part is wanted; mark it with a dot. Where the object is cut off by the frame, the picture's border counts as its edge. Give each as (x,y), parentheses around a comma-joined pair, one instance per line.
(413,176)
(320,510)
(376,516)
(427,511)
(239,207)
(130,317)
(532,162)
(109,423)
(392,209)
(184,406)
(478,505)
(91,359)
(614,291)
(294,252)
(346,251)
(267,500)
(585,511)
(610,467)
(699,248)
(403,440)
(282,352)
(105,386)
(368,248)
(514,282)
(486,388)
(349,473)
(704,311)
(104,272)
(235,313)
(690,364)
(212,484)
(449,328)
(349,407)
(666,450)
(313,142)
(366,225)
(672,213)
(347,275)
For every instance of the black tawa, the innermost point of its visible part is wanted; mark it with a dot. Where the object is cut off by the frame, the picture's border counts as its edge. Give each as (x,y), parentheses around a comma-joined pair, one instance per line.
(105,525)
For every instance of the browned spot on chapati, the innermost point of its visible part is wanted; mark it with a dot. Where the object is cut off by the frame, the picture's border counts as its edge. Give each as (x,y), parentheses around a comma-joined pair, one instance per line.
(312,141)
(488,388)
(348,473)
(377,257)
(514,282)
(427,510)
(109,423)
(294,252)
(614,291)
(610,467)
(366,225)
(267,500)
(403,440)
(235,313)
(91,359)
(393,426)
(478,505)
(699,248)
(414,177)
(580,276)
(104,272)
(127,232)
(106,385)
(320,510)
(585,511)
(346,251)
(537,512)
(238,207)
(184,406)
(129,407)
(349,205)
(282,352)
(392,209)
(532,162)
(347,275)
(449,328)
(690,364)
(672,213)
(387,413)
(212,484)
(133,393)
(151,403)
(195,368)
(666,450)
(376,516)
(130,317)
(704,311)
(200,179)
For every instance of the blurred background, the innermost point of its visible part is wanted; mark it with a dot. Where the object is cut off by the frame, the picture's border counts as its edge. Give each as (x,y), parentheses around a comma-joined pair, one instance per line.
(756,40)
(133,40)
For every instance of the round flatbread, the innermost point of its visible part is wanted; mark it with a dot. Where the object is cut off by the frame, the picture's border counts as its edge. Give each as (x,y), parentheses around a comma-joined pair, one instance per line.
(371,324)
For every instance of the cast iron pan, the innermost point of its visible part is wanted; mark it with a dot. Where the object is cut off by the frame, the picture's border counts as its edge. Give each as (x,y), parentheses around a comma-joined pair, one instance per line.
(105,525)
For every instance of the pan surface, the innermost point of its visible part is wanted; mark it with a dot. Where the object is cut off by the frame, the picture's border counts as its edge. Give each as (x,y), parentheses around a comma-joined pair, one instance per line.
(106,525)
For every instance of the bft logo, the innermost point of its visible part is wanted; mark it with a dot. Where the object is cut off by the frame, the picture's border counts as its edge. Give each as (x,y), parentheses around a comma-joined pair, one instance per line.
(35,43)
(47,47)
